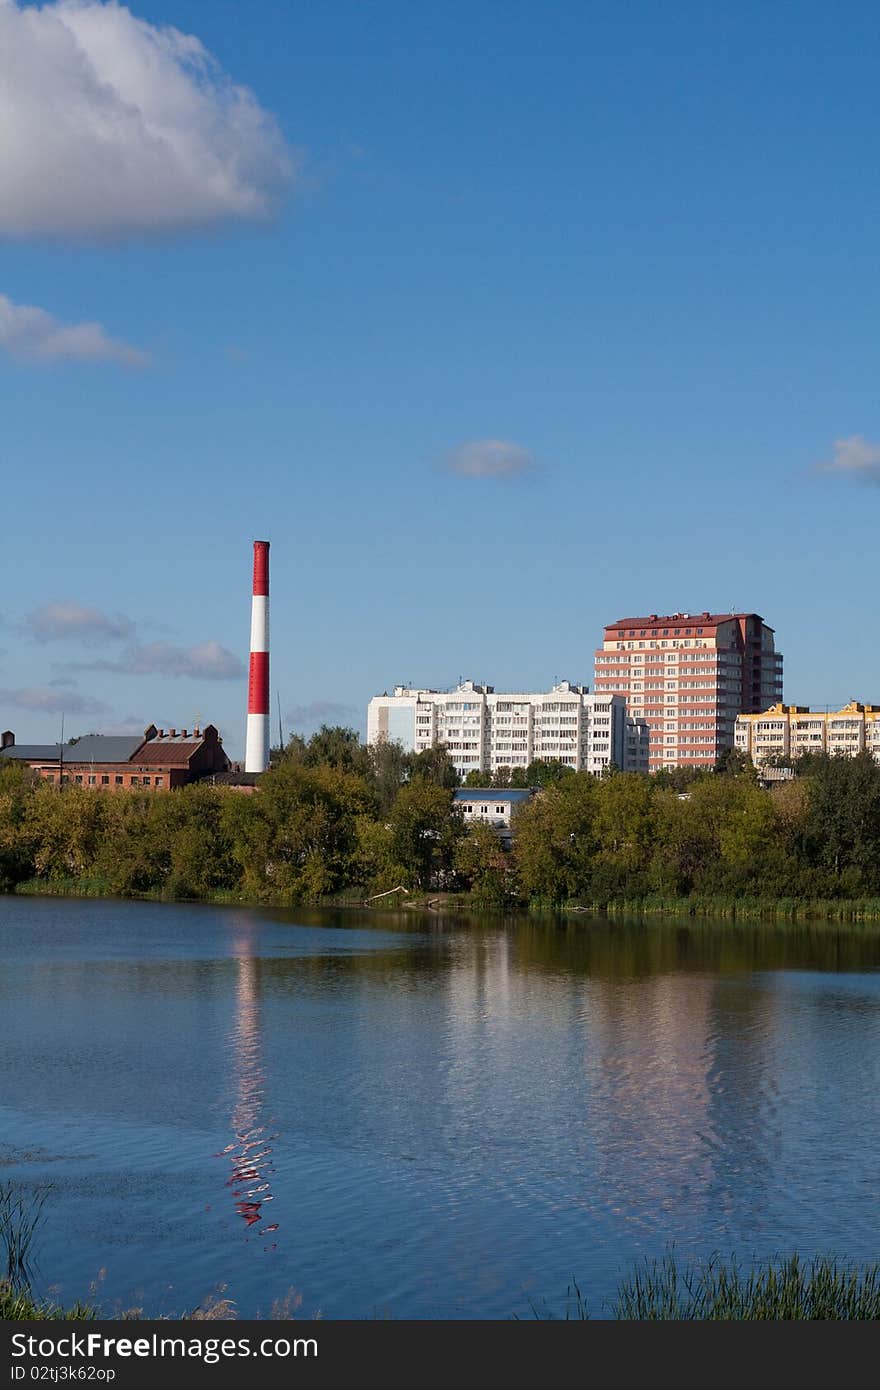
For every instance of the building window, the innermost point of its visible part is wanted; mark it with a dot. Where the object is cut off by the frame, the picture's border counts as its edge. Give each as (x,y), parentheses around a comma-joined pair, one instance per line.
(134,781)
(118,781)
(146,781)
(105,781)
(92,781)
(78,779)
(159,781)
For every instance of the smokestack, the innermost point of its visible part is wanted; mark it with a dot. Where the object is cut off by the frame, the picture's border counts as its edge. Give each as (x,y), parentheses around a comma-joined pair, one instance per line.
(256,757)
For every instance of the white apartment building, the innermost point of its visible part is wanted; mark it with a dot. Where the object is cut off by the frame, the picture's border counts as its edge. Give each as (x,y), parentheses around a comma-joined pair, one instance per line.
(484,730)
(789,731)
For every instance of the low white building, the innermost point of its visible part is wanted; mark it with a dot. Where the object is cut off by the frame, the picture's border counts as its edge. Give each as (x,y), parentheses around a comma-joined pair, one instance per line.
(484,729)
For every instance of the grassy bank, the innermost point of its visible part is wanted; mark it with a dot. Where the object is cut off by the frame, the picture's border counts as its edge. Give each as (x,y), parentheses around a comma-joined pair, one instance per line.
(721,908)
(734,909)
(354,898)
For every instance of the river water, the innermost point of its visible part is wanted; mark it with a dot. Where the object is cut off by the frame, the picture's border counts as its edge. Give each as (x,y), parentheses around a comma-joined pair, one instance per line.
(392,1115)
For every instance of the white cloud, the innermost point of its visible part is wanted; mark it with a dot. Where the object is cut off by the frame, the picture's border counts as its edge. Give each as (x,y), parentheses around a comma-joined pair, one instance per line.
(29,334)
(51,701)
(207,661)
(489,458)
(111,126)
(857,456)
(70,621)
(57,622)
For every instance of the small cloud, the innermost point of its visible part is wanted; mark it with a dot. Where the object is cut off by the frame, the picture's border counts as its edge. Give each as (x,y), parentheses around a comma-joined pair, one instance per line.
(59,622)
(489,458)
(45,701)
(31,336)
(308,718)
(856,456)
(206,661)
(113,127)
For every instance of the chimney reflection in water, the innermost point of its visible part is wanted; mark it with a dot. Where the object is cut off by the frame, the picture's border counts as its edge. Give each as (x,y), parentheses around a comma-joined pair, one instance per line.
(250,1153)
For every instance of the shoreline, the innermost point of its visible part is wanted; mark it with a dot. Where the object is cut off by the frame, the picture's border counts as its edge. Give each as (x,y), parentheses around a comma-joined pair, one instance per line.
(834,911)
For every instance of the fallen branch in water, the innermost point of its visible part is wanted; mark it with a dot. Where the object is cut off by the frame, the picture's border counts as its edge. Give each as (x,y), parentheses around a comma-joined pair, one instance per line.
(399,889)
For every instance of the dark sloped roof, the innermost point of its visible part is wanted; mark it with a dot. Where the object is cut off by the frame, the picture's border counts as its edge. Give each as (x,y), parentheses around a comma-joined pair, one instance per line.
(32,752)
(103,748)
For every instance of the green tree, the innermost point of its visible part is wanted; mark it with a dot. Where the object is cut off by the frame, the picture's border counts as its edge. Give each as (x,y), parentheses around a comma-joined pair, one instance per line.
(294,751)
(544,772)
(67,830)
(842,835)
(555,840)
(135,856)
(390,769)
(17,787)
(339,748)
(733,763)
(624,827)
(476,778)
(424,831)
(297,837)
(434,765)
(484,867)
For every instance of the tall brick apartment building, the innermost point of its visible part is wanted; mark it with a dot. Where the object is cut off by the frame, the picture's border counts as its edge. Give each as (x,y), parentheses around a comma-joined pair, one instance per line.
(689,675)
(153,761)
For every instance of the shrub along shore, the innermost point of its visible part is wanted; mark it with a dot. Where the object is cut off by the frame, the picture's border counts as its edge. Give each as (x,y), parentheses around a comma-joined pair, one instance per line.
(335,822)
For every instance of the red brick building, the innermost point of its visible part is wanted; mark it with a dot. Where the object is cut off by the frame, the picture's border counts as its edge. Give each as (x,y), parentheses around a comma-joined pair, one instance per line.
(155,761)
(689,675)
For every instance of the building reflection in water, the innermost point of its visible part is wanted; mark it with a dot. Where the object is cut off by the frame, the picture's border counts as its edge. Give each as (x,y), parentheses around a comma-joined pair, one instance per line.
(250,1153)
(647,1055)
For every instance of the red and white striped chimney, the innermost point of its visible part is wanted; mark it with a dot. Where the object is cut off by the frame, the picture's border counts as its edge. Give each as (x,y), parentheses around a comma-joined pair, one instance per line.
(256,753)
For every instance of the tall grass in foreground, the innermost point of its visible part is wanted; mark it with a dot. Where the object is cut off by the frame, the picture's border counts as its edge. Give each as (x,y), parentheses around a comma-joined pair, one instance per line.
(18,1306)
(782,1290)
(20,1215)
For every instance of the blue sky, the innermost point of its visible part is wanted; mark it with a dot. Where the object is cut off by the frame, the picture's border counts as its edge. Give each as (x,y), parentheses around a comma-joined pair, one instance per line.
(633,245)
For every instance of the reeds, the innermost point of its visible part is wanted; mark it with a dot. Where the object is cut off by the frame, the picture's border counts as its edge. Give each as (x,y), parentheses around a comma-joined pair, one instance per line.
(784,1290)
(16,1305)
(20,1215)
(731,908)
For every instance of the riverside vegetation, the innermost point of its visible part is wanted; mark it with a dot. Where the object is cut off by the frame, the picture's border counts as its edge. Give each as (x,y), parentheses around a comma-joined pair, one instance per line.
(659,1290)
(789,1290)
(333,819)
